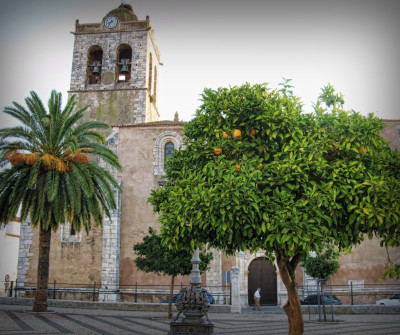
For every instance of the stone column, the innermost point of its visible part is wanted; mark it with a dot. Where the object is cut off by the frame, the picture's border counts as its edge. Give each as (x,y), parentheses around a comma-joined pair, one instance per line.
(242,279)
(214,277)
(25,252)
(111,236)
(111,255)
(235,282)
(195,279)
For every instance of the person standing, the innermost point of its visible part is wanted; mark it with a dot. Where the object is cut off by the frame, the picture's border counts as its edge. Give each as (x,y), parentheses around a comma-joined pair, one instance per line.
(257,297)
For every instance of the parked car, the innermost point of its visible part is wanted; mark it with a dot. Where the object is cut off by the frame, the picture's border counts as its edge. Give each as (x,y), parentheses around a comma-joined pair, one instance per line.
(210,298)
(327,299)
(394,300)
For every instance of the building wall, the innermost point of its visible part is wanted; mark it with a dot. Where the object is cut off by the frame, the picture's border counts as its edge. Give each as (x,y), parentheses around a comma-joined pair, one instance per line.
(9,244)
(68,259)
(366,262)
(138,179)
(392,133)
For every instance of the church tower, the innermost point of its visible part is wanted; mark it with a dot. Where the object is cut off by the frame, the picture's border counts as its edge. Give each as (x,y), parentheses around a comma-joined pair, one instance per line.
(115,68)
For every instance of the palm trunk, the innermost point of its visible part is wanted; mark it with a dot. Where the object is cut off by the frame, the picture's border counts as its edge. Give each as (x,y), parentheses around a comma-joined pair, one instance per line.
(292,307)
(40,303)
(171,293)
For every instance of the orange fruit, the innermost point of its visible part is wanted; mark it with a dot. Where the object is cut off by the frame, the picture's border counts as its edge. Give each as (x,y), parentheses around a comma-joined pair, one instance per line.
(237,133)
(237,167)
(253,132)
(217,151)
(362,150)
(224,134)
(260,166)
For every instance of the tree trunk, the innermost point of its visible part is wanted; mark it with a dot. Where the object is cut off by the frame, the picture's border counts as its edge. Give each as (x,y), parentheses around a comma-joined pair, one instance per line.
(292,307)
(40,303)
(171,293)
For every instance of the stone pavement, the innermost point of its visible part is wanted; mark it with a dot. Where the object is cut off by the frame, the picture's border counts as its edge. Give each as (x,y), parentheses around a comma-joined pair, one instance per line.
(18,320)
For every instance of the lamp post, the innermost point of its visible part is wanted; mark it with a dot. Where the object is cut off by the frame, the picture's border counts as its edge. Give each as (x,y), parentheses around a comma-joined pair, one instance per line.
(193,303)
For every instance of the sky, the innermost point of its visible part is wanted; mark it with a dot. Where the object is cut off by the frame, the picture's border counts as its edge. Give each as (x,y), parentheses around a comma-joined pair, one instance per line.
(352,44)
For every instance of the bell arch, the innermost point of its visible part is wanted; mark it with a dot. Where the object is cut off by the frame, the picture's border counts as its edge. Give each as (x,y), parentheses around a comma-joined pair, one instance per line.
(124,63)
(94,64)
(262,274)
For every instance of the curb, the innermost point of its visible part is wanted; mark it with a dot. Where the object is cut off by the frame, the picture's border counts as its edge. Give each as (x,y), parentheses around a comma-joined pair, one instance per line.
(158,307)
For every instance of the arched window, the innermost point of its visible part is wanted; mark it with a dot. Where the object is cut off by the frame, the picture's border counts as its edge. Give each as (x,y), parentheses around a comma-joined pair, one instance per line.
(124,63)
(155,86)
(168,152)
(150,72)
(93,69)
(164,147)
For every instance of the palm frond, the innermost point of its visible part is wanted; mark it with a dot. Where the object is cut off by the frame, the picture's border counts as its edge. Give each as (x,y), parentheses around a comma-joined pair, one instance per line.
(19,181)
(34,174)
(106,175)
(50,178)
(82,129)
(67,128)
(19,112)
(81,174)
(73,192)
(18,132)
(104,153)
(35,106)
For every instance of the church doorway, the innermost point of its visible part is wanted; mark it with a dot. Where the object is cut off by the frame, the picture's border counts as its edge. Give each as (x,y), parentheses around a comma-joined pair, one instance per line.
(262,275)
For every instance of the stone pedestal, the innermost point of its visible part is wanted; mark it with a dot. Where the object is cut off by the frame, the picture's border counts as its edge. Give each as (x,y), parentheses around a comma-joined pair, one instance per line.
(191,327)
(235,282)
(193,303)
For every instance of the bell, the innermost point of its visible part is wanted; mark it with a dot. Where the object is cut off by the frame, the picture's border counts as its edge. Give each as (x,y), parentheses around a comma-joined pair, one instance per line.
(96,70)
(124,69)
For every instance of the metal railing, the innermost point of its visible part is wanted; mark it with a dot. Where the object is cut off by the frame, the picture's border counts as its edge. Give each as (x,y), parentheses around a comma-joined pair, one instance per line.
(355,294)
(138,293)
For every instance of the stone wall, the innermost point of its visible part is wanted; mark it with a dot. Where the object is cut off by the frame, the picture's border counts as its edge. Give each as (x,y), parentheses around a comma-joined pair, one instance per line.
(114,102)
(71,263)
(138,145)
(392,133)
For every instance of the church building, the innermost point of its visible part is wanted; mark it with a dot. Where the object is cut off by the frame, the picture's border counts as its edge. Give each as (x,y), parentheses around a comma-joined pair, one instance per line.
(115,69)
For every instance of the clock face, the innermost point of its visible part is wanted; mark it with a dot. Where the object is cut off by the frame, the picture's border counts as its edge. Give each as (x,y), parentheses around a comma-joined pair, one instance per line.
(110,22)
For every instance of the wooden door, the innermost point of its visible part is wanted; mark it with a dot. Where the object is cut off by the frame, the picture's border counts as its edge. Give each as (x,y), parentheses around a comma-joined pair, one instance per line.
(262,275)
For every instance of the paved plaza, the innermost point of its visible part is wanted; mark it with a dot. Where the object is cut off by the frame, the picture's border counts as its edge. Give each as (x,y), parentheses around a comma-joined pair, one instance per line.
(18,320)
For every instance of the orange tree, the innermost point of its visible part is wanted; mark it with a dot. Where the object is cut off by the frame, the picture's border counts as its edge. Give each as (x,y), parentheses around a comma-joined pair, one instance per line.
(287,184)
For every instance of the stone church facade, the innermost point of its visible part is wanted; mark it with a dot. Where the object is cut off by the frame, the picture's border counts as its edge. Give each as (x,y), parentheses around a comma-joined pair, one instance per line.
(115,69)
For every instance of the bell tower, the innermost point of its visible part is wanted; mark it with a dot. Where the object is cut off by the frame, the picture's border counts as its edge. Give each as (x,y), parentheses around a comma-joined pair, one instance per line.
(115,68)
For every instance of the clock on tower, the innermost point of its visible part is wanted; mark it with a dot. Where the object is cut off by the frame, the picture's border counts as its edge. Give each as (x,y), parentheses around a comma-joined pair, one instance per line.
(115,68)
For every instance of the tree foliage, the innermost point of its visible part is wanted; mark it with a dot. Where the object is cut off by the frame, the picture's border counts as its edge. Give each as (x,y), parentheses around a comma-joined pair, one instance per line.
(322,265)
(154,256)
(290,183)
(301,180)
(50,176)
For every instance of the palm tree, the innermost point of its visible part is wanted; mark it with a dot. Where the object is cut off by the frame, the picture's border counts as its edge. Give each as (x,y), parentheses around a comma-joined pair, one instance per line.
(53,178)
